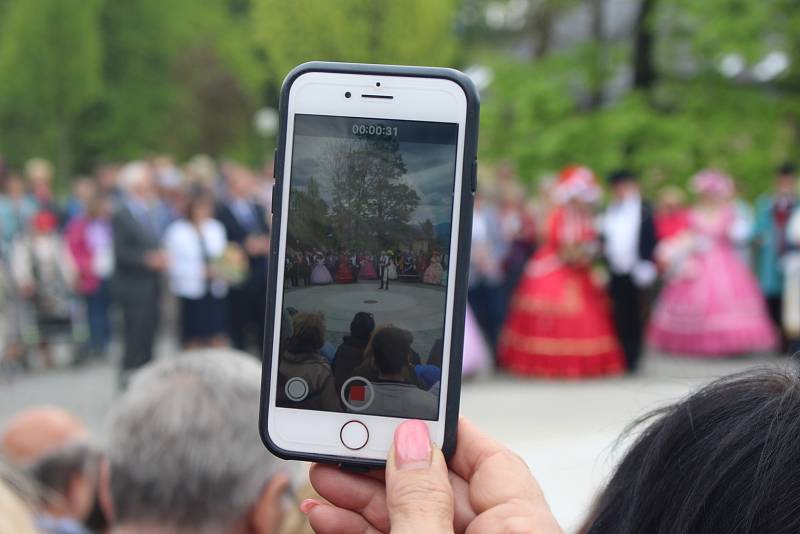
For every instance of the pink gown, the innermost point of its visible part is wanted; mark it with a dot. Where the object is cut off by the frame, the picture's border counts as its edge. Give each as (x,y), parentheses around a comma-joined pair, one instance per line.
(367,271)
(712,306)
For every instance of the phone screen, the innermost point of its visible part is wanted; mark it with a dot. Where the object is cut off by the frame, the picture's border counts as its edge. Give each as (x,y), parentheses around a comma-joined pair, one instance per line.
(366,263)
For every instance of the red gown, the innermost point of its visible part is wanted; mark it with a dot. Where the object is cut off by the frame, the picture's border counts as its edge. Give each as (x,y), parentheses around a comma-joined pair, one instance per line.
(559,323)
(344,274)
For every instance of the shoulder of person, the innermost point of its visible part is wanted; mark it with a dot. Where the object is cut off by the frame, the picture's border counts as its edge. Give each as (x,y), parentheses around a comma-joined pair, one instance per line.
(215,226)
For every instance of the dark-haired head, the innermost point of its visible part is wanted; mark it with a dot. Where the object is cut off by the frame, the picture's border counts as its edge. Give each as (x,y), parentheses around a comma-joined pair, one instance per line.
(787,169)
(724,460)
(362,325)
(200,206)
(620,176)
(390,348)
(308,333)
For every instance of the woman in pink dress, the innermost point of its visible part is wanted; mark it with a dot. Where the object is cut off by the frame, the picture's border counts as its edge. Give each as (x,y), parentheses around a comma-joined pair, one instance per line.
(367,270)
(711,306)
(434,273)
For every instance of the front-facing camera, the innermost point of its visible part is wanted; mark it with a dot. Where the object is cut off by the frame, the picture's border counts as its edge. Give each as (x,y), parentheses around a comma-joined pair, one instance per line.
(347,94)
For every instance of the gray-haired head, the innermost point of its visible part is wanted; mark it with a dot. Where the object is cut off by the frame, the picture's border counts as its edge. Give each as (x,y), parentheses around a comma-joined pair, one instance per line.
(136,178)
(183,443)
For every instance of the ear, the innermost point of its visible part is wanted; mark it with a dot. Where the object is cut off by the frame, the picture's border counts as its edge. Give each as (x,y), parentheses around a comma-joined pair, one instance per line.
(267,513)
(79,497)
(104,491)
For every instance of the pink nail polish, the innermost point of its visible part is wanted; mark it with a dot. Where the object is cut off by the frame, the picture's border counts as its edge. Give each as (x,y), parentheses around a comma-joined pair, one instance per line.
(412,445)
(307,505)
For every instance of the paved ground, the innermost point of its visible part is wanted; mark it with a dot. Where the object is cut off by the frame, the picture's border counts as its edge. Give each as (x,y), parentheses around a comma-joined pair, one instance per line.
(567,431)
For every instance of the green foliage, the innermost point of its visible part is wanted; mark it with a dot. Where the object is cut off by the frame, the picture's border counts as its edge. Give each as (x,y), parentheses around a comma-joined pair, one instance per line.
(50,66)
(370,31)
(535,114)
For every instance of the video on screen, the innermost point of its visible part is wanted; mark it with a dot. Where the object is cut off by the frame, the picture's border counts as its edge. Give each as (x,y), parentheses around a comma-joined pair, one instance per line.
(366,266)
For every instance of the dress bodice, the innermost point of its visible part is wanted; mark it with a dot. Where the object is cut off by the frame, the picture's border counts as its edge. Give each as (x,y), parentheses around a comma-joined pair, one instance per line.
(713,226)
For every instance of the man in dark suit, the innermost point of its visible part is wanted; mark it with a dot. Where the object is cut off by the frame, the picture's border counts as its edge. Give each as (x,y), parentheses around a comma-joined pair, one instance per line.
(137,225)
(629,236)
(246,225)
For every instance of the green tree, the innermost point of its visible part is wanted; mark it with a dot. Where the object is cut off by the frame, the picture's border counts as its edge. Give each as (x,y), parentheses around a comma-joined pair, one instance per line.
(371,31)
(371,204)
(50,64)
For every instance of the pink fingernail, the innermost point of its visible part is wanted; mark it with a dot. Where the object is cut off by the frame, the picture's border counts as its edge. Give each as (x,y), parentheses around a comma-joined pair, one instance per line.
(412,445)
(308,504)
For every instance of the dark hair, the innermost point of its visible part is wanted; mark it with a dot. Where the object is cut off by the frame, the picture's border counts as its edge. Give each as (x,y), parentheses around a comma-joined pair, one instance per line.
(621,175)
(436,355)
(390,349)
(726,459)
(787,169)
(362,325)
(196,199)
(55,472)
(308,332)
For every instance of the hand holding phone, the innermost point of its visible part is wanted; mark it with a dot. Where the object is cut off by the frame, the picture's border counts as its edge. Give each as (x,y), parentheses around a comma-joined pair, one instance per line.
(371,228)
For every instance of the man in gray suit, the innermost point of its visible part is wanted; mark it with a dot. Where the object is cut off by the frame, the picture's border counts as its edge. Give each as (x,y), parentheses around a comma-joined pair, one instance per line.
(137,224)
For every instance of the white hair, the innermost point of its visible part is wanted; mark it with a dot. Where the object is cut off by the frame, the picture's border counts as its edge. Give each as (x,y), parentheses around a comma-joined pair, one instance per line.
(133,175)
(183,443)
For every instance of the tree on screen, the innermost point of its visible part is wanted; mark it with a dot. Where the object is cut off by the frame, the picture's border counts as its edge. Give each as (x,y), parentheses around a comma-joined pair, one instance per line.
(371,205)
(310,227)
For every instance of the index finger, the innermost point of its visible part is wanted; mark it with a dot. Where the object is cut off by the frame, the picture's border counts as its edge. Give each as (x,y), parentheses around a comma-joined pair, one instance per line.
(494,473)
(472,448)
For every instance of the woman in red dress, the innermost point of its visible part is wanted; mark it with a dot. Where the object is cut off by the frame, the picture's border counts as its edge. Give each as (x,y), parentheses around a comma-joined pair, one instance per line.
(559,323)
(344,274)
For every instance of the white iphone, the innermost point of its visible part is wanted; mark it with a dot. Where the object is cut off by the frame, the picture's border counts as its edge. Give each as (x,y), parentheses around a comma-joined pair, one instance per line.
(372,211)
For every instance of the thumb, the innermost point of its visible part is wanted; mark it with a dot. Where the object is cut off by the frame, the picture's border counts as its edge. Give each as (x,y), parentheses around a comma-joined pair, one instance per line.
(418,492)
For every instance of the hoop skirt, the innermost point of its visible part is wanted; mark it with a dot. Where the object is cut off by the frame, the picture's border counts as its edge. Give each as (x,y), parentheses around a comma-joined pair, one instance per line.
(344,274)
(434,273)
(320,275)
(367,271)
(559,323)
(712,306)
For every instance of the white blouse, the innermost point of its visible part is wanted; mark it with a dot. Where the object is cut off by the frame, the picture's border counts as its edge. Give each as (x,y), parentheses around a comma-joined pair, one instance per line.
(187,265)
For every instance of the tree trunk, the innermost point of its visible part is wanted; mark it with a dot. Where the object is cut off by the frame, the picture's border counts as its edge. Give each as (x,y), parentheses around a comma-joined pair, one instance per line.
(596,67)
(540,21)
(644,71)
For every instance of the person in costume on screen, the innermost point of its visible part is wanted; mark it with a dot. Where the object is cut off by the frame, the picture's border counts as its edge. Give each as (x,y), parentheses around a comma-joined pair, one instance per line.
(385,264)
(559,324)
(344,274)
(320,275)
(367,270)
(434,274)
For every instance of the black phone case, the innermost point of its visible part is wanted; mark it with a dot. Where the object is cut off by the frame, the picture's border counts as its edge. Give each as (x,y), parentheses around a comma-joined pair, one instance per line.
(468,186)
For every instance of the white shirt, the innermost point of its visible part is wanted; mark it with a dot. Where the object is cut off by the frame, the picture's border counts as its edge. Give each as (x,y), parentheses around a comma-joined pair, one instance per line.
(621,227)
(187,266)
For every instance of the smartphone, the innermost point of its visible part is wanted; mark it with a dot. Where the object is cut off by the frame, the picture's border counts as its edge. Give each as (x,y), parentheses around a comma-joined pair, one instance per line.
(372,216)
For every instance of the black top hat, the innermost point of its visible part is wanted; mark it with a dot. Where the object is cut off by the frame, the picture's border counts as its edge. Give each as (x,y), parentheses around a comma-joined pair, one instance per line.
(787,169)
(622,175)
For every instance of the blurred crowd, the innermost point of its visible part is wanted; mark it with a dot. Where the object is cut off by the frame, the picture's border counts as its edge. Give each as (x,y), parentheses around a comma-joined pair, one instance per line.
(560,285)
(67,268)
(180,453)
(565,285)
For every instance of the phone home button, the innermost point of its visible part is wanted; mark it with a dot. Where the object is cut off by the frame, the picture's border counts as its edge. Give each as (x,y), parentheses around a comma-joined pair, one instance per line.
(354,435)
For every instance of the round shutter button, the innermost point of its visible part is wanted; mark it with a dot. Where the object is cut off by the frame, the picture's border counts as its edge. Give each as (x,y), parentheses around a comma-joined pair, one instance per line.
(354,435)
